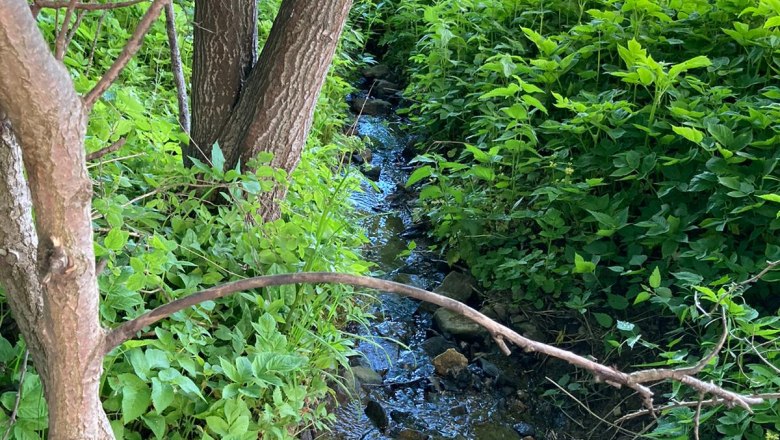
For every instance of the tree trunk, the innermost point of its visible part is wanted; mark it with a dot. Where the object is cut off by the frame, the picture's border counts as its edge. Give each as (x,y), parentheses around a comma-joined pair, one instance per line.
(275,110)
(225,49)
(56,302)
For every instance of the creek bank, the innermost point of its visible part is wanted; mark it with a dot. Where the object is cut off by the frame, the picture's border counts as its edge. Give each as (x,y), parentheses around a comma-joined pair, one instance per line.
(424,372)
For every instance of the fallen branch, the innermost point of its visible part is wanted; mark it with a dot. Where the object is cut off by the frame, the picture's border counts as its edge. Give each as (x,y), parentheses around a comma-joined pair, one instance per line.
(108,150)
(132,46)
(499,332)
(83,6)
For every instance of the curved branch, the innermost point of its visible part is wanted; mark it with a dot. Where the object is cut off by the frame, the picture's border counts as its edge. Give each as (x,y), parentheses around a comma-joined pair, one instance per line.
(499,332)
(132,46)
(85,6)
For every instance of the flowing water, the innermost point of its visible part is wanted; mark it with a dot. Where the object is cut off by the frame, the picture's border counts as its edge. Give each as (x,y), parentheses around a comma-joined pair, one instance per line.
(412,402)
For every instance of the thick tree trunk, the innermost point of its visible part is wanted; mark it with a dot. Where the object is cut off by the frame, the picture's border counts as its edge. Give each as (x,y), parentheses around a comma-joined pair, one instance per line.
(225,44)
(56,302)
(276,105)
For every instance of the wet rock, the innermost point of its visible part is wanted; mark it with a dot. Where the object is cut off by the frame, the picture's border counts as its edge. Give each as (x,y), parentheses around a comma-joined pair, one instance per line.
(410,434)
(459,410)
(373,173)
(525,429)
(437,345)
(361,157)
(489,368)
(377,414)
(385,89)
(450,363)
(367,376)
(458,325)
(495,431)
(371,107)
(458,286)
(376,71)
(400,416)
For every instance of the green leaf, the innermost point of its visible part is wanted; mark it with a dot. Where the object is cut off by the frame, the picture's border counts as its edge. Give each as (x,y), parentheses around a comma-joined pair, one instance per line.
(689,133)
(771,197)
(582,266)
(136,397)
(504,92)
(655,278)
(642,297)
(217,158)
(604,320)
(156,423)
(693,63)
(116,239)
(162,395)
(419,174)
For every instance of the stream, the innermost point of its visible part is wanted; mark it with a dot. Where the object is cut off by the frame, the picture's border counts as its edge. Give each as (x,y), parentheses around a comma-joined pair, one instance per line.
(399,395)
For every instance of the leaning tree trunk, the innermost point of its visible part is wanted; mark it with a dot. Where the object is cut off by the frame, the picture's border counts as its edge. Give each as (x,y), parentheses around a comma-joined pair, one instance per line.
(50,273)
(276,105)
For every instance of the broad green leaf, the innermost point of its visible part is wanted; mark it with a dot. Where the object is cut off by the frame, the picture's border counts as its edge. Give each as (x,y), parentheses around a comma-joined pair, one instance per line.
(217,159)
(503,92)
(162,395)
(582,266)
(116,239)
(693,63)
(419,174)
(655,278)
(604,320)
(689,133)
(136,397)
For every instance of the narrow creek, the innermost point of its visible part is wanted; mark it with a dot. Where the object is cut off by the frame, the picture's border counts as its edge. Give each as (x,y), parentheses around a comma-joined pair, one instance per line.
(400,394)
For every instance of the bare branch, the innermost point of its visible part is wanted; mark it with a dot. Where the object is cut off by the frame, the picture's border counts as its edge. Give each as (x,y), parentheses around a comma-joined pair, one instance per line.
(132,46)
(84,6)
(769,266)
(73,30)
(176,66)
(108,150)
(688,404)
(59,45)
(94,42)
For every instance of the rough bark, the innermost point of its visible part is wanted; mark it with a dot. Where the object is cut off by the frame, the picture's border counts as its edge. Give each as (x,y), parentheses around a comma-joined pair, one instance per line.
(275,111)
(225,49)
(49,121)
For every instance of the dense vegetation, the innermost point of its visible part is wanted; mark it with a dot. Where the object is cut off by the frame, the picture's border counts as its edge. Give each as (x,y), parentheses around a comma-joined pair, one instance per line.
(221,370)
(617,160)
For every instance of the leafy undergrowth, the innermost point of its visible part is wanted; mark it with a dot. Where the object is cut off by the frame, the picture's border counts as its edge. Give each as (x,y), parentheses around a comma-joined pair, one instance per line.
(618,159)
(256,362)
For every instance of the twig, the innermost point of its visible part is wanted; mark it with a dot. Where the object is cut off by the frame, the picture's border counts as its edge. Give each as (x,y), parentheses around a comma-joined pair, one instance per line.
(59,44)
(769,266)
(108,150)
(687,404)
(176,66)
(132,46)
(586,408)
(94,42)
(84,6)
(73,30)
(22,372)
(697,418)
